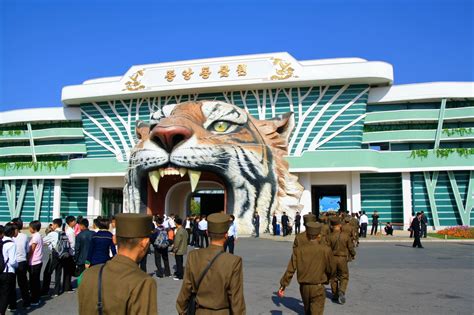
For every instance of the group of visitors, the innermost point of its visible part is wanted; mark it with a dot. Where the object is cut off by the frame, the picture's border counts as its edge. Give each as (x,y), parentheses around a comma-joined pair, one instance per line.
(71,248)
(287,225)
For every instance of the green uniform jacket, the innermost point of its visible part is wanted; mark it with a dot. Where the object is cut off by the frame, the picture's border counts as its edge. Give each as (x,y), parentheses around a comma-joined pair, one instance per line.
(126,289)
(180,242)
(221,290)
(342,245)
(312,262)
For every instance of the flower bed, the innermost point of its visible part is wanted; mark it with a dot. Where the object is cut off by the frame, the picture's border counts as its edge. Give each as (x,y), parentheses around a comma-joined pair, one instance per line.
(461,231)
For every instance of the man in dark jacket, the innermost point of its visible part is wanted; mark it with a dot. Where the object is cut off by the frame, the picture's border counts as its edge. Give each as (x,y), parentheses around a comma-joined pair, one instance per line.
(83,241)
(297,223)
(284,223)
(424,223)
(274,224)
(416,228)
(256,224)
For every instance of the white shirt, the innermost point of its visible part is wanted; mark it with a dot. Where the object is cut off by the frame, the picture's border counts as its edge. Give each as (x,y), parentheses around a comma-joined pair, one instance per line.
(71,236)
(52,239)
(9,254)
(188,224)
(203,225)
(21,242)
(364,219)
(171,223)
(232,230)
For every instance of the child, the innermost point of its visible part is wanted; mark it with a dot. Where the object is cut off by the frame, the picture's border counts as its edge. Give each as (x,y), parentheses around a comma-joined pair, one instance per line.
(35,261)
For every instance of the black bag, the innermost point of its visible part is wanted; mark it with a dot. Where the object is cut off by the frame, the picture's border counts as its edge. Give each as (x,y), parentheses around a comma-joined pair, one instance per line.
(192,305)
(3,262)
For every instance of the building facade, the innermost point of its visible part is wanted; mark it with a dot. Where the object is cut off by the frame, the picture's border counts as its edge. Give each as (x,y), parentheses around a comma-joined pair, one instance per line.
(359,142)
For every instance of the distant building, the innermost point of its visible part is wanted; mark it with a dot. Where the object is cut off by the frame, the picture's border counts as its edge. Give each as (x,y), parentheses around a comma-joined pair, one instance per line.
(358,140)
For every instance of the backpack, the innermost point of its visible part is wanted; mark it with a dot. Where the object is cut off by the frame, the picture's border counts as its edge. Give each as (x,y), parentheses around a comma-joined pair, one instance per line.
(161,240)
(63,247)
(3,262)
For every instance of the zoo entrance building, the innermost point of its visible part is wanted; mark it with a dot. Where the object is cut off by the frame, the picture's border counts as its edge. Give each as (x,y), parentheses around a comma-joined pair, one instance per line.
(359,141)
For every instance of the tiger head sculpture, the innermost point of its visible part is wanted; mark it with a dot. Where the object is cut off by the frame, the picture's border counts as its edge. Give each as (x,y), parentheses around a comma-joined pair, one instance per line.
(190,139)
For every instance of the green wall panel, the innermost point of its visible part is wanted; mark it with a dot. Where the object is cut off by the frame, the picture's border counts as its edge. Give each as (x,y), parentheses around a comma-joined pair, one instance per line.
(444,197)
(28,207)
(382,193)
(74,194)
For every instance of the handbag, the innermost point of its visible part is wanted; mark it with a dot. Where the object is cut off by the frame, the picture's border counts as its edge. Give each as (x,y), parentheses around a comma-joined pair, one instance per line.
(192,304)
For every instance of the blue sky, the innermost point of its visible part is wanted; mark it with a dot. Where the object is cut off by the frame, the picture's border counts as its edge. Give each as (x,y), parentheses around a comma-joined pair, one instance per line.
(45,45)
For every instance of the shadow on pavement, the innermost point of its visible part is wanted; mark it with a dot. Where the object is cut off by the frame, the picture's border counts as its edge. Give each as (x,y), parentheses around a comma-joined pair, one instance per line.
(290,303)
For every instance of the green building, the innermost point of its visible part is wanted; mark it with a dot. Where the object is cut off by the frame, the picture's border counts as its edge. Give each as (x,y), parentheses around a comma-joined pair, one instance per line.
(360,142)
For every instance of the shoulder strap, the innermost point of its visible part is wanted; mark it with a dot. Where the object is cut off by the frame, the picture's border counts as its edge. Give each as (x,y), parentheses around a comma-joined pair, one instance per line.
(100,306)
(206,270)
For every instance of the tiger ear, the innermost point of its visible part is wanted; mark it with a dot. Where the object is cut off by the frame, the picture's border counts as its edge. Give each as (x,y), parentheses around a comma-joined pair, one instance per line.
(284,125)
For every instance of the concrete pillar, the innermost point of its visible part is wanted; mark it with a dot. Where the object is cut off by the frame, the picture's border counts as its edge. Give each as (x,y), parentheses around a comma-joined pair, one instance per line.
(57,199)
(91,198)
(356,201)
(407,202)
(306,201)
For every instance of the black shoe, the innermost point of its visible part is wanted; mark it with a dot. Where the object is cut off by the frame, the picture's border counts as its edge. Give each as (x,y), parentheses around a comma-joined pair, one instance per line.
(335,299)
(342,298)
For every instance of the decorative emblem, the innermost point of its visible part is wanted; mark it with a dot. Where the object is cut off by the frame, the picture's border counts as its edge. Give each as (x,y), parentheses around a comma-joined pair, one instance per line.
(241,70)
(187,74)
(134,84)
(224,71)
(170,75)
(205,73)
(284,70)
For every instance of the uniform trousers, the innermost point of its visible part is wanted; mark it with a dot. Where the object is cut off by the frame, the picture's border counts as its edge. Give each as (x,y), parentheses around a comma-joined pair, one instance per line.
(313,296)
(7,291)
(35,282)
(340,282)
(22,280)
(162,253)
(229,243)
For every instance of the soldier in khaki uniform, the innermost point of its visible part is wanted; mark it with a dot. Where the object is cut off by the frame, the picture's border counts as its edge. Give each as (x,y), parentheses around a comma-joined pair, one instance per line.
(343,251)
(125,288)
(355,225)
(314,267)
(221,290)
(325,231)
(302,238)
(348,228)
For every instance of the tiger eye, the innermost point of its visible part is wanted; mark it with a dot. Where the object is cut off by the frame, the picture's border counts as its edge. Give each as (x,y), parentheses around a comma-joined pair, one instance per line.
(221,126)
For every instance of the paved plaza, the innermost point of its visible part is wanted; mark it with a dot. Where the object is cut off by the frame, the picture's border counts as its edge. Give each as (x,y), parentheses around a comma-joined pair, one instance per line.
(388,277)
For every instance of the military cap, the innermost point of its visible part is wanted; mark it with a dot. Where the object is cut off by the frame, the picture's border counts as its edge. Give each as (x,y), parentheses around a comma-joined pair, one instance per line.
(218,223)
(309,218)
(347,219)
(133,225)
(313,228)
(335,221)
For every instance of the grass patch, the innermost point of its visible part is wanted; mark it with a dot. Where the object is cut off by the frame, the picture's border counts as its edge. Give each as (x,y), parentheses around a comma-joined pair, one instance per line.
(441,236)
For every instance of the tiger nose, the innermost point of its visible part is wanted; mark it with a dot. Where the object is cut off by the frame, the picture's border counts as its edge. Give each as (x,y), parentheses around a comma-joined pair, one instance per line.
(169,137)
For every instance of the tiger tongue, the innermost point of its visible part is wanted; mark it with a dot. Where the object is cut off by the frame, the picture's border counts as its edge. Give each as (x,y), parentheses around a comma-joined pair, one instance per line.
(194,179)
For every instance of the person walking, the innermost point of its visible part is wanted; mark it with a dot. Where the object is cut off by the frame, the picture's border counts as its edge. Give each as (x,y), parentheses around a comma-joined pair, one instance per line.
(343,250)
(256,224)
(180,247)
(35,261)
(101,245)
(188,226)
(364,221)
(313,265)
(161,244)
(7,276)
(416,227)
(375,223)
(411,221)
(203,237)
(424,224)
(284,223)
(297,223)
(302,238)
(195,241)
(231,235)
(83,242)
(221,290)
(274,224)
(21,242)
(119,286)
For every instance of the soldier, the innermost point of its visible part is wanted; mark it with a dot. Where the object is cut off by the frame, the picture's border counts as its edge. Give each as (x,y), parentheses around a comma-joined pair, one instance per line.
(301,238)
(355,225)
(325,231)
(343,251)
(348,228)
(213,278)
(313,263)
(119,286)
